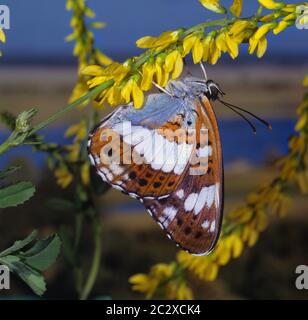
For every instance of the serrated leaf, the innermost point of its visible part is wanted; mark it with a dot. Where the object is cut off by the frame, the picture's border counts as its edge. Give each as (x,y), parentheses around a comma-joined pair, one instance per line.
(8,171)
(16,194)
(19,244)
(43,254)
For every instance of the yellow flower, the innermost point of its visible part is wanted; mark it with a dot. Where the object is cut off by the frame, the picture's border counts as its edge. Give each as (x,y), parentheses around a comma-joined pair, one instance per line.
(207,43)
(238,27)
(79,130)
(236,8)
(213,5)
(260,44)
(174,64)
(2,36)
(264,29)
(305,81)
(302,122)
(161,75)
(272,5)
(215,53)
(225,43)
(281,26)
(144,283)
(193,42)
(148,71)
(131,89)
(197,51)
(64,177)
(85,173)
(162,41)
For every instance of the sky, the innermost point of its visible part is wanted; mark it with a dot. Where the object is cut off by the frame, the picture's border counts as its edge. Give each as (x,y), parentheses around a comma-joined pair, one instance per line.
(38,27)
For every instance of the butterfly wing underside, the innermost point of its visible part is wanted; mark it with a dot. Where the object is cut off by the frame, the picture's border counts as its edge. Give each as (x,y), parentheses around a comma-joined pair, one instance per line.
(188,207)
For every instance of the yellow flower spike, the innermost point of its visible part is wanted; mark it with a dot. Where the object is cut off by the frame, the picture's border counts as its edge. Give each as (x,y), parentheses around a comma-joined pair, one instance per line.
(138,96)
(158,71)
(213,5)
(188,43)
(264,29)
(262,46)
(236,7)
(272,5)
(197,51)
(232,46)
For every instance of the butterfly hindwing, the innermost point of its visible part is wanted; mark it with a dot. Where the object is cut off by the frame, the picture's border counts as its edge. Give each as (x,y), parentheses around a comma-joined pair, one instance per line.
(192,214)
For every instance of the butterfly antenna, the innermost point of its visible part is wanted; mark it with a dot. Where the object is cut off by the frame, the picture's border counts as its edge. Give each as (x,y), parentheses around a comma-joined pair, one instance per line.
(241,115)
(268,125)
(203,70)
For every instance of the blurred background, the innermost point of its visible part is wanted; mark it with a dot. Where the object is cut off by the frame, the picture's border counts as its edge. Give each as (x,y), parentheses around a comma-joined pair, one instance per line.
(38,70)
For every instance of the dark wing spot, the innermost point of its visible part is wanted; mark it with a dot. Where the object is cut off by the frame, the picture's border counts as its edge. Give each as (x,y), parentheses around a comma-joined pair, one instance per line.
(149,175)
(132,175)
(187,230)
(171,183)
(143,182)
(156,184)
(179,222)
(161,178)
(110,152)
(198,234)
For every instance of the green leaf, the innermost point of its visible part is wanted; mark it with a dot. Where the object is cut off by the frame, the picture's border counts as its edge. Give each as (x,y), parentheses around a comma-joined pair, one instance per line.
(19,244)
(43,254)
(16,194)
(8,171)
(33,278)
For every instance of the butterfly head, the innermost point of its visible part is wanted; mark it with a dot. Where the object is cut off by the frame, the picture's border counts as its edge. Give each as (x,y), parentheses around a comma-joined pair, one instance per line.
(213,91)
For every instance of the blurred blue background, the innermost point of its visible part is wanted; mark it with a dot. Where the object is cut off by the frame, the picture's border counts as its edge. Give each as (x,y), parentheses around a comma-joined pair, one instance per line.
(38,29)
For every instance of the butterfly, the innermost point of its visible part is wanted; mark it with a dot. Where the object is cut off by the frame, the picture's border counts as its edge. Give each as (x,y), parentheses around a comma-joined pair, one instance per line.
(168,155)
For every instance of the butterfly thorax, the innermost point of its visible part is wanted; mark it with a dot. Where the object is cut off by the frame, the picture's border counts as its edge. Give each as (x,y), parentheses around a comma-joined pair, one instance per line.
(194,87)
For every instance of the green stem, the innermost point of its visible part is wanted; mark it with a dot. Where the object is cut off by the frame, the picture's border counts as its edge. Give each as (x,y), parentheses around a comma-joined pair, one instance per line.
(95,261)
